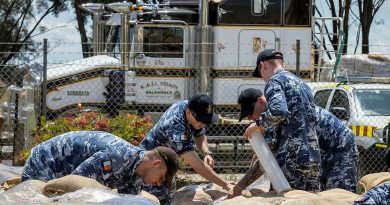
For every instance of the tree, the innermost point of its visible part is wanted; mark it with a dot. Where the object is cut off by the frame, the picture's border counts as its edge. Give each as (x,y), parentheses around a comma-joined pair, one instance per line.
(19,19)
(367,11)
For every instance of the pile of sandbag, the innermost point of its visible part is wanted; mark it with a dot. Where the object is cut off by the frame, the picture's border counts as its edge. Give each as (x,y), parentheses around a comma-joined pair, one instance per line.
(371,65)
(206,194)
(71,189)
(297,197)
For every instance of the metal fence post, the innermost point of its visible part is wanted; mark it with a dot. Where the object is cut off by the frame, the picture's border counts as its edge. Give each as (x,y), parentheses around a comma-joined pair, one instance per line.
(44,79)
(298,56)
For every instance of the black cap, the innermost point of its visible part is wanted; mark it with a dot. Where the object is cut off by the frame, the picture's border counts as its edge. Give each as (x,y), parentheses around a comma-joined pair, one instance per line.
(264,55)
(247,101)
(203,107)
(171,160)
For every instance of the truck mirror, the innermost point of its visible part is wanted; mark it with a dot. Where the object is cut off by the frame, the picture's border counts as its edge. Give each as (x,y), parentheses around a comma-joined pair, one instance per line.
(340,113)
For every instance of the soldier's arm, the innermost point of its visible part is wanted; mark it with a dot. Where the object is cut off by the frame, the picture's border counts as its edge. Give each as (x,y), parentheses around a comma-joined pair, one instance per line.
(277,105)
(203,146)
(203,169)
(201,143)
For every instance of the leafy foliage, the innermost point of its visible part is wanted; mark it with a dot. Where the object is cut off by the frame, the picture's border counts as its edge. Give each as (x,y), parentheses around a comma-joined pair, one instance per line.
(127,126)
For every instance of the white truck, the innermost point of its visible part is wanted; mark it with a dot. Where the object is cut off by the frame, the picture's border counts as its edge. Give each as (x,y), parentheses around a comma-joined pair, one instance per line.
(150,55)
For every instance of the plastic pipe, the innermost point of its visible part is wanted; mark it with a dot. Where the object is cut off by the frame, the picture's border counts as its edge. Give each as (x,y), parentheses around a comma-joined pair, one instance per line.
(269,163)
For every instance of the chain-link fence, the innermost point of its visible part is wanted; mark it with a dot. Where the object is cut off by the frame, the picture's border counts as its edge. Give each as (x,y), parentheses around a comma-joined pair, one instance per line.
(168,70)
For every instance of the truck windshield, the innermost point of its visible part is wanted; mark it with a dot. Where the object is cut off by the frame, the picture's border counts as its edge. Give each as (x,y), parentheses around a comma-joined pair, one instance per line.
(374,102)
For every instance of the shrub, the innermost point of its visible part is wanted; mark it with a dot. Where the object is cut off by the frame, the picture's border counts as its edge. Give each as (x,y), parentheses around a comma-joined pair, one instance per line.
(127,126)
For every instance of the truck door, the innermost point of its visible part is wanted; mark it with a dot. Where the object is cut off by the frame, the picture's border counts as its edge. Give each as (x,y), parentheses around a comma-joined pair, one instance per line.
(251,43)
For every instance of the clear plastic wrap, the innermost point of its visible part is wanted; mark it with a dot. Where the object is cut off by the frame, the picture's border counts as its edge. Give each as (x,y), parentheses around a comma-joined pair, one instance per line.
(269,163)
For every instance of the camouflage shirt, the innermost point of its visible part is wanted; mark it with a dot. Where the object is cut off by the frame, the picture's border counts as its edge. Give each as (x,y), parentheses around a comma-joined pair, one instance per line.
(291,112)
(173,131)
(104,157)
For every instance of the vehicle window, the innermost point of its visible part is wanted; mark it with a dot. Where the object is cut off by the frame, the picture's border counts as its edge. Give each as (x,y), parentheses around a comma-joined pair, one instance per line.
(297,12)
(321,98)
(374,101)
(163,42)
(340,99)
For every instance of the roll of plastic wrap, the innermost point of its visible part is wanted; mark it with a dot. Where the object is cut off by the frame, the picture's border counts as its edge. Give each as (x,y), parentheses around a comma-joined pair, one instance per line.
(269,163)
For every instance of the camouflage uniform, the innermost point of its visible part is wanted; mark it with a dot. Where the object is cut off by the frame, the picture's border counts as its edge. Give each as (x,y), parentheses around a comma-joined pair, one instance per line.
(338,152)
(98,155)
(291,112)
(379,195)
(171,131)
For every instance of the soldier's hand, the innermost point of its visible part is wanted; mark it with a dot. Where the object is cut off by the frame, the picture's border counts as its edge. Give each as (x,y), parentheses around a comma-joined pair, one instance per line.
(235,191)
(208,160)
(252,128)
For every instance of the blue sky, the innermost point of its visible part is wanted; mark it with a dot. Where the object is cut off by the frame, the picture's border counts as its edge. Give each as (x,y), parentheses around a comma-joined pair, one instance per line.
(65,41)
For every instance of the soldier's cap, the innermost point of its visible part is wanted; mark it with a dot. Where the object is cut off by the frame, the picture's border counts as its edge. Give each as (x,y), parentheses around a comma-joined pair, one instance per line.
(202,107)
(264,55)
(247,100)
(172,161)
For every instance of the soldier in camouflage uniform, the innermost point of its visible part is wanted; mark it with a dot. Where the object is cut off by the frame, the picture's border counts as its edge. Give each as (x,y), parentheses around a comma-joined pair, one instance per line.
(336,142)
(291,112)
(183,122)
(104,157)
(338,152)
(379,195)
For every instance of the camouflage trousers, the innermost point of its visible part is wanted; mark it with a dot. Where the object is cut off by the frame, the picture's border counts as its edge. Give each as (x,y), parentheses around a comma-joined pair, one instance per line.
(304,177)
(339,171)
(163,194)
(379,195)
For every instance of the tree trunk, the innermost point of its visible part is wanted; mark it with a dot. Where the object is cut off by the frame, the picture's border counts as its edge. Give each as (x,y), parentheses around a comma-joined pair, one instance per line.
(81,27)
(365,39)
(346,26)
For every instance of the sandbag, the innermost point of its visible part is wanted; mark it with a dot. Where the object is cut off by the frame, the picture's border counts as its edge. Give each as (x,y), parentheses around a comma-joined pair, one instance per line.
(297,197)
(9,183)
(299,194)
(99,196)
(253,200)
(198,194)
(27,192)
(191,195)
(314,200)
(70,183)
(372,180)
(338,194)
